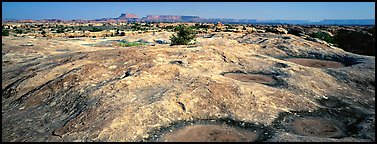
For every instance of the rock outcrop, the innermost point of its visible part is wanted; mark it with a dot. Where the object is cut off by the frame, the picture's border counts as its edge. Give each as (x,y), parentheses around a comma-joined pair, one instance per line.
(258,87)
(361,42)
(170,18)
(127,16)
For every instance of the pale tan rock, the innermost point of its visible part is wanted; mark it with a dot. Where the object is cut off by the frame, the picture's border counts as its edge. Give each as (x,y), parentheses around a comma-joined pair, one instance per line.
(61,90)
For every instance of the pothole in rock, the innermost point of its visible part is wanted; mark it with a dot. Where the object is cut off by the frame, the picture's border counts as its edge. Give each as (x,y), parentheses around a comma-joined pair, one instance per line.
(358,119)
(212,131)
(310,125)
(318,127)
(318,60)
(266,78)
(316,63)
(335,121)
(209,133)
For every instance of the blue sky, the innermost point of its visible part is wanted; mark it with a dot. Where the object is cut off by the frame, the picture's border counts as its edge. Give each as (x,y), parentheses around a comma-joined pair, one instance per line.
(313,11)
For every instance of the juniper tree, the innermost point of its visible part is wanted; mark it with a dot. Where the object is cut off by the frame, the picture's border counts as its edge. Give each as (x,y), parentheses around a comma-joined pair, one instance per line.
(183,36)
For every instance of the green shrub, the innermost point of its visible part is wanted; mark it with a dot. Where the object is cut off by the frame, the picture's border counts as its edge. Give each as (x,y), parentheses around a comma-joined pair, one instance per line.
(323,36)
(18,31)
(130,44)
(168,27)
(5,32)
(60,31)
(200,26)
(134,27)
(184,35)
(95,29)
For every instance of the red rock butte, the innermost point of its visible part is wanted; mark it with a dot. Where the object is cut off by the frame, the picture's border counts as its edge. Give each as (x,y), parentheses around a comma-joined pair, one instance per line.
(128,16)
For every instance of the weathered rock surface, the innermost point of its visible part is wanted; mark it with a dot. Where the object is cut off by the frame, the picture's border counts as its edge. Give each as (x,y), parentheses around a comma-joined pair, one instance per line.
(355,39)
(60,90)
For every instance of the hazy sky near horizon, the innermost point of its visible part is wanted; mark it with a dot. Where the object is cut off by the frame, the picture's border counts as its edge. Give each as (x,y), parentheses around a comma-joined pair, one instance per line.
(313,11)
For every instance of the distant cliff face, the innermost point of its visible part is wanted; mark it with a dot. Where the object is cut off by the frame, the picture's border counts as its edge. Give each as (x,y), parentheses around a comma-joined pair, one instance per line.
(348,21)
(170,18)
(162,18)
(127,16)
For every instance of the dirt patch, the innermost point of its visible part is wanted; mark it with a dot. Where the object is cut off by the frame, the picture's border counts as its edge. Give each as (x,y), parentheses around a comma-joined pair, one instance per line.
(258,78)
(312,126)
(316,63)
(210,133)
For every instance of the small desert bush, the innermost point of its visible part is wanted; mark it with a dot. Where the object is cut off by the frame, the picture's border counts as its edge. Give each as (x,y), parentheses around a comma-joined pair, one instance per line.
(18,31)
(94,29)
(5,32)
(130,44)
(183,36)
(60,30)
(323,36)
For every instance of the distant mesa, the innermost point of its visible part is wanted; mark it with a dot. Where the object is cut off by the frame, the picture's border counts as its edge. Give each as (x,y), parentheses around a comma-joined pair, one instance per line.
(126,16)
(348,21)
(161,18)
(171,18)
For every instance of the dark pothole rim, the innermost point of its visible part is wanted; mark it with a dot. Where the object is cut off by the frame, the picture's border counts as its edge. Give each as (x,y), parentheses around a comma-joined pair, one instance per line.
(264,132)
(276,75)
(345,117)
(285,120)
(346,60)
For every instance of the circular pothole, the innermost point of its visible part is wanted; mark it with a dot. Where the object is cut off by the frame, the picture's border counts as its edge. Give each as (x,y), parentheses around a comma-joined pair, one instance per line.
(220,130)
(258,78)
(330,122)
(316,63)
(273,78)
(313,126)
(210,133)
